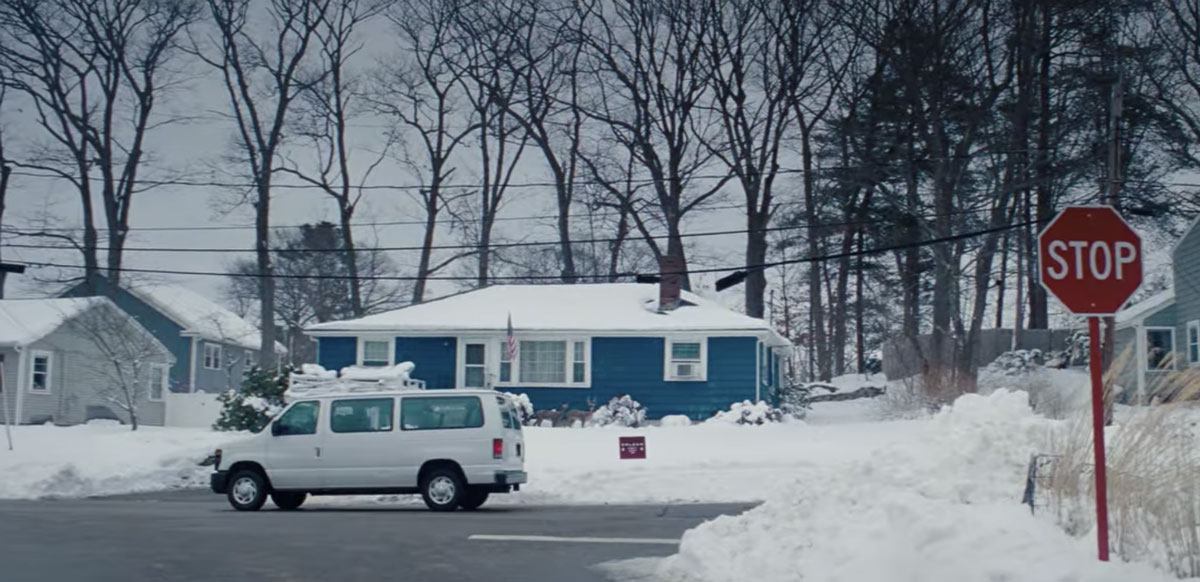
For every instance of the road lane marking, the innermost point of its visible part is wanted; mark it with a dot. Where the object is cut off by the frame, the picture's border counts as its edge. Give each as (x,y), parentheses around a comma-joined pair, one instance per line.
(572,540)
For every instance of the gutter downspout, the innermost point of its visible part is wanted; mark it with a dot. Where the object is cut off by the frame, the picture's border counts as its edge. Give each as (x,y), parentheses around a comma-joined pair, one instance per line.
(1139,343)
(192,367)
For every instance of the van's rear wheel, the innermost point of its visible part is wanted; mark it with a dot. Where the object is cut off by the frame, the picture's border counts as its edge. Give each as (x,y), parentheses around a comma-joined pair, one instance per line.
(288,500)
(247,490)
(473,498)
(442,489)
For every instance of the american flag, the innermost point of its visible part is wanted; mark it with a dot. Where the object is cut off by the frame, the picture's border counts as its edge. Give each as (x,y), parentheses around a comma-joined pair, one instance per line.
(511,340)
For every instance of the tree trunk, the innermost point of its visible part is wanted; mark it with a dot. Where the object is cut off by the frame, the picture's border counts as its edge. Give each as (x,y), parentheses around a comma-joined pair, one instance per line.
(859,333)
(346,215)
(5,172)
(431,212)
(815,304)
(756,254)
(1038,305)
(266,275)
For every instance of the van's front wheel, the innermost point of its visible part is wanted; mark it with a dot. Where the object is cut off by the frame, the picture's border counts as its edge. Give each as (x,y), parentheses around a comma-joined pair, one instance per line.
(474,498)
(442,489)
(247,490)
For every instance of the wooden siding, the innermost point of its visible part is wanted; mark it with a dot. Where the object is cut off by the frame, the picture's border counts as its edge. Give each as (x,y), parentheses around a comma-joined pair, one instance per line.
(77,383)
(335,353)
(433,356)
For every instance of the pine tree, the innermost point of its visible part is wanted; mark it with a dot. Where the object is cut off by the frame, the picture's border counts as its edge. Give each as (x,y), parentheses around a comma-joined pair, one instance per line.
(252,407)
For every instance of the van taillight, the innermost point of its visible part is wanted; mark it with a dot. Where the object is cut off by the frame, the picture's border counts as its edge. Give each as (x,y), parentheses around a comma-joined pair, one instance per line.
(497,448)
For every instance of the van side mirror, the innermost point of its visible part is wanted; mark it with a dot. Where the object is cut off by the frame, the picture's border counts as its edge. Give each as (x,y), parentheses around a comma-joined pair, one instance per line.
(276,428)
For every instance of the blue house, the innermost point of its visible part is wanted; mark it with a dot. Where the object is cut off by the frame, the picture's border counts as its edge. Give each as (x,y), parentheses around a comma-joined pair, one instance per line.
(575,344)
(212,345)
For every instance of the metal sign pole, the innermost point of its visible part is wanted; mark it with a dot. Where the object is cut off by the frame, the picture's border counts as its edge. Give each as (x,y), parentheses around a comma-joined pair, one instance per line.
(1096,367)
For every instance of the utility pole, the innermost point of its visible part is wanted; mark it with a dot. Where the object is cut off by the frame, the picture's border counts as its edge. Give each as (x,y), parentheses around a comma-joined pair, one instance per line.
(1112,190)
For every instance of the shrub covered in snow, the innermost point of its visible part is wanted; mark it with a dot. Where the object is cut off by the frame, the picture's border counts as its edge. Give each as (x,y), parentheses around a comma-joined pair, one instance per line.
(794,398)
(252,407)
(524,408)
(620,411)
(675,420)
(1017,362)
(747,412)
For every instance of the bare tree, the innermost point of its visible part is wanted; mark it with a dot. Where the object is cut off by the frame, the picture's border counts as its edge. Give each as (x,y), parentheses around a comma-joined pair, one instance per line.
(127,352)
(420,92)
(325,113)
(93,71)
(650,84)
(263,69)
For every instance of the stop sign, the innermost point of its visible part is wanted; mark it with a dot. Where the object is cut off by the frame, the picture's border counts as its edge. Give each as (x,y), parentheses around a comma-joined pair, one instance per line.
(1090,259)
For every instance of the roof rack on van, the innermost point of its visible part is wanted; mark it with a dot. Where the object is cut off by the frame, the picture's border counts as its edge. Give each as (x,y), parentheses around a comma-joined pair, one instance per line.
(313,380)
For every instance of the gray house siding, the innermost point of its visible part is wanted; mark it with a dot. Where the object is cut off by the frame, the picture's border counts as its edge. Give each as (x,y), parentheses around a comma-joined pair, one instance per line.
(11,374)
(78,384)
(234,362)
(1186,259)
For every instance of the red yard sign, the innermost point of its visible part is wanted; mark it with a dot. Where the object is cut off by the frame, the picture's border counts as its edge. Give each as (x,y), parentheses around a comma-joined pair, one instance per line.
(1091,260)
(632,447)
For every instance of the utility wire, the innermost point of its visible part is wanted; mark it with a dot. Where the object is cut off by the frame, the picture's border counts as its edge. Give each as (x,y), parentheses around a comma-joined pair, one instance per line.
(623,275)
(501,245)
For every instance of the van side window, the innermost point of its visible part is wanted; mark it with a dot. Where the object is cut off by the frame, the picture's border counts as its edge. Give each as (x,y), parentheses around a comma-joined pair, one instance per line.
(299,419)
(429,413)
(361,415)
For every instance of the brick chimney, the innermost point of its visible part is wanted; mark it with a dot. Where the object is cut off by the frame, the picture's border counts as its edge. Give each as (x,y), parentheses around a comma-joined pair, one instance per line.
(670,282)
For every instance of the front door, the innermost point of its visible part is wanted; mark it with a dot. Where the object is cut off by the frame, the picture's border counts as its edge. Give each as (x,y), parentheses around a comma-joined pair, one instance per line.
(294,451)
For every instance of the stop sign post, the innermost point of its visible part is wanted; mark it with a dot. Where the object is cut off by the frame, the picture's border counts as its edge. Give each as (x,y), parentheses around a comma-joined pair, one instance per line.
(1091,260)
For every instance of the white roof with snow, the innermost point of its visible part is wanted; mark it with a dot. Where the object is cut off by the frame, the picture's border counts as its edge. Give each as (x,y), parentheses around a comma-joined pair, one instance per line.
(200,316)
(24,321)
(601,307)
(1135,313)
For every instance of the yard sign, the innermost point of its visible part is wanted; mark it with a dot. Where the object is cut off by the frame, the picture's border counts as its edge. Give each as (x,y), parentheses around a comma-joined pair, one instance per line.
(1091,260)
(632,447)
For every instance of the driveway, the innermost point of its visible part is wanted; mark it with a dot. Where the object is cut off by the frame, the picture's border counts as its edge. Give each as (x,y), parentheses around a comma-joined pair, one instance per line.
(193,535)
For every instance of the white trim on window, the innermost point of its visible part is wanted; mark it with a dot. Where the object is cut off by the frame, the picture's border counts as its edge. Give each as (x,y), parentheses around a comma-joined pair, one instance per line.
(47,373)
(161,374)
(212,355)
(1193,357)
(359,351)
(699,367)
(494,346)
(1170,353)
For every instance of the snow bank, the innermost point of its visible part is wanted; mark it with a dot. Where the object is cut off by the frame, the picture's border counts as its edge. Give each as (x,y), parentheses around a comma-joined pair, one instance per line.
(940,507)
(104,459)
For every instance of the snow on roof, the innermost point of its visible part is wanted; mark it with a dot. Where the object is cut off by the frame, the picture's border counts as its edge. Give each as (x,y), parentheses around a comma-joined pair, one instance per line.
(24,321)
(604,307)
(1146,307)
(200,316)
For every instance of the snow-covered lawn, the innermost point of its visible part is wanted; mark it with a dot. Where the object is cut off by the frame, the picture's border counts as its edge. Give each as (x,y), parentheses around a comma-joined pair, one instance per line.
(103,458)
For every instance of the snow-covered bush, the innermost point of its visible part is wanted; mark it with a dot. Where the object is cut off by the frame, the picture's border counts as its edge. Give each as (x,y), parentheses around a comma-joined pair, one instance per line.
(620,411)
(747,412)
(1017,362)
(675,420)
(524,408)
(251,408)
(794,398)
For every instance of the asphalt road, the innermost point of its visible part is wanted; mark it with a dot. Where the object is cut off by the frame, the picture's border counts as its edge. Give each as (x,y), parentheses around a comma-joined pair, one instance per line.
(186,536)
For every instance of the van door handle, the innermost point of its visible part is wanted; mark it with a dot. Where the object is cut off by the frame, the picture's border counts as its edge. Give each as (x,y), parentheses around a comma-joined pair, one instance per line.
(318,452)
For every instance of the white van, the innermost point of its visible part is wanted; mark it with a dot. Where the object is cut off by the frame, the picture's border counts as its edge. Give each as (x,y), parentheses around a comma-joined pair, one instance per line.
(454,447)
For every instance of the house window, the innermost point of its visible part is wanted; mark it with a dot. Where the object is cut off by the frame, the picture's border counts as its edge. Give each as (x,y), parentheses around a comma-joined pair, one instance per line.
(39,373)
(474,365)
(686,360)
(212,356)
(543,362)
(375,352)
(505,363)
(156,382)
(1193,335)
(1160,348)
(578,362)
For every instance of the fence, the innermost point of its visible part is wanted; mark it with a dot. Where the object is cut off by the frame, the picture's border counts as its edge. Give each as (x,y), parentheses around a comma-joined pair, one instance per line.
(192,410)
(902,360)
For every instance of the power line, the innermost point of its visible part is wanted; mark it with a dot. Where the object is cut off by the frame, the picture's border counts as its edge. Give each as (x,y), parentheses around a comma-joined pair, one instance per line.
(500,245)
(623,275)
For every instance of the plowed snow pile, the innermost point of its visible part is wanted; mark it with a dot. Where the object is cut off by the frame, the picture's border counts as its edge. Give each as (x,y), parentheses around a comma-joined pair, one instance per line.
(944,507)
